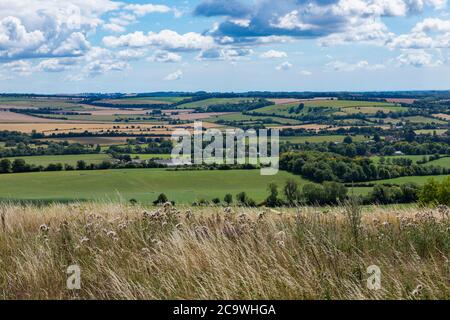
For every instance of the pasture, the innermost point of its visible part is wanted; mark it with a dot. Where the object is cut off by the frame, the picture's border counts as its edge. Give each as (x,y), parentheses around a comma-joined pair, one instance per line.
(141,184)
(64,159)
(319,139)
(210,102)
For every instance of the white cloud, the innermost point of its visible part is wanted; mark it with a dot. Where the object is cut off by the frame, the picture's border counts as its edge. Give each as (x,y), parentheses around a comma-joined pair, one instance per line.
(144,9)
(224,54)
(165,56)
(427,34)
(177,75)
(305,73)
(337,65)
(56,65)
(273,54)
(48,28)
(373,32)
(20,67)
(432,25)
(165,40)
(131,54)
(284,66)
(417,59)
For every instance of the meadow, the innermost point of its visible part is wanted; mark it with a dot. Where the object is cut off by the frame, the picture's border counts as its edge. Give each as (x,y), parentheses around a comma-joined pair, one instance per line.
(64,159)
(319,139)
(134,252)
(334,105)
(141,184)
(210,102)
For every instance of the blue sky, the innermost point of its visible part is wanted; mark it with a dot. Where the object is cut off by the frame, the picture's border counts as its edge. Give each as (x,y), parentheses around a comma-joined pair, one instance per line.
(71,46)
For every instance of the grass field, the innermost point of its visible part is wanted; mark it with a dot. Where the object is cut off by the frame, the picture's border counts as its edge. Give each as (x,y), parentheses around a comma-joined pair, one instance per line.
(319,139)
(154,99)
(247,118)
(150,156)
(209,102)
(64,159)
(426,120)
(443,162)
(102,141)
(345,106)
(414,179)
(141,184)
(439,132)
(130,252)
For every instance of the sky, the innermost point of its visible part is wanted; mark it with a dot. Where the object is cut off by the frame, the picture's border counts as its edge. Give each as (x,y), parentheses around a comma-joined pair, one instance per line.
(130,46)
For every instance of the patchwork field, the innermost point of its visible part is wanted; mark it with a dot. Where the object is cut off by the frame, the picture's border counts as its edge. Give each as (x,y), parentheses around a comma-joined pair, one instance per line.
(102,141)
(141,184)
(12,117)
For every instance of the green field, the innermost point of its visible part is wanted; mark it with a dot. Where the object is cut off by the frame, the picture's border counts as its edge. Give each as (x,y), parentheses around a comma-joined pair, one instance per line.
(443,162)
(250,118)
(141,184)
(150,156)
(426,120)
(154,99)
(210,102)
(64,159)
(439,132)
(319,139)
(337,105)
(412,179)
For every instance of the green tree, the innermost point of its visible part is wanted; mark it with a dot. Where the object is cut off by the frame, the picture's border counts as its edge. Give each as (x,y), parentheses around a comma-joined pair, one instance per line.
(5,166)
(348,140)
(19,165)
(443,196)
(272,200)
(228,199)
(162,198)
(291,192)
(81,165)
(428,193)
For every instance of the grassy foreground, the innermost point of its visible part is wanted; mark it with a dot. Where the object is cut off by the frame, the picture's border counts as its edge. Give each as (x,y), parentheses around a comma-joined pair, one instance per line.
(130,252)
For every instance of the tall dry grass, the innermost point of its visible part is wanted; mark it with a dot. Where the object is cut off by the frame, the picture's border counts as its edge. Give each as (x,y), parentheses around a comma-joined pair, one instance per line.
(130,252)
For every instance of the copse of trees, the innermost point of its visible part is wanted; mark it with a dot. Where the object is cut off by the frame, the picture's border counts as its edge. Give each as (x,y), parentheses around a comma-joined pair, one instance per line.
(324,166)
(385,194)
(434,192)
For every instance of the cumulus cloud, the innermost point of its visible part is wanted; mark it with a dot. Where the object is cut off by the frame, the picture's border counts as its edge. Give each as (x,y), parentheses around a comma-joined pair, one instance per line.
(273,54)
(427,34)
(305,73)
(221,54)
(232,8)
(337,65)
(165,56)
(165,40)
(177,75)
(284,66)
(310,19)
(47,28)
(418,59)
(19,67)
(56,65)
